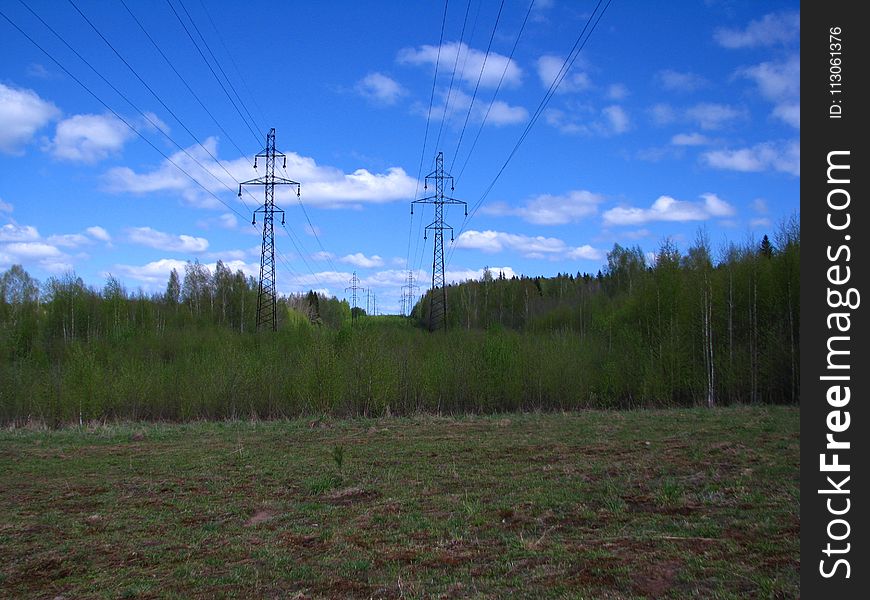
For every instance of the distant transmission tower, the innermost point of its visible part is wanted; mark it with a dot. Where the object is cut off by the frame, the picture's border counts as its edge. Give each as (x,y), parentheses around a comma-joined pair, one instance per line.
(438,298)
(408,297)
(267,296)
(354,288)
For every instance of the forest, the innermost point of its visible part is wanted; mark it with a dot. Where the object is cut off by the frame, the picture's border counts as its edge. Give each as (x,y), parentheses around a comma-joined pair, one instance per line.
(693,327)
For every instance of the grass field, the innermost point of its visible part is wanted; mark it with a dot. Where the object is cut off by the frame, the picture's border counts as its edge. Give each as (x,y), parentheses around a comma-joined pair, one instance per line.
(667,504)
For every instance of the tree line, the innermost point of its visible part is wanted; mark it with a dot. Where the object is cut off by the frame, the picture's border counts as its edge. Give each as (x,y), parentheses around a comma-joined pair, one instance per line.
(693,327)
(721,326)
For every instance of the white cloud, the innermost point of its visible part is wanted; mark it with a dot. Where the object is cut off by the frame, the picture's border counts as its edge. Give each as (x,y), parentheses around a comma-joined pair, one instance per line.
(617,92)
(337,278)
(18,233)
(39,71)
(713,116)
(22,113)
(224,221)
(146,236)
(500,113)
(323,255)
(99,233)
(616,118)
(380,88)
(471,58)
(776,80)
(790,113)
(662,114)
(152,121)
(706,115)
(759,205)
(69,240)
(689,139)
(228,221)
(550,66)
(5,207)
(779,82)
(321,185)
(761,157)
(531,247)
(716,207)
(666,208)
(548,209)
(393,278)
(611,120)
(155,274)
(760,222)
(89,138)
(772,29)
(678,81)
(228,256)
(361,260)
(539,10)
(460,275)
(32,250)
(586,252)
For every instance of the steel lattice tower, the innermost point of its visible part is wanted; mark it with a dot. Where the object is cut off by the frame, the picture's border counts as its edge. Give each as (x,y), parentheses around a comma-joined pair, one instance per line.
(438,297)
(354,288)
(267,296)
(408,299)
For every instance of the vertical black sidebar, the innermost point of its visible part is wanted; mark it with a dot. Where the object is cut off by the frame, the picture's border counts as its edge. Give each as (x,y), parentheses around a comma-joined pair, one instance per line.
(835,364)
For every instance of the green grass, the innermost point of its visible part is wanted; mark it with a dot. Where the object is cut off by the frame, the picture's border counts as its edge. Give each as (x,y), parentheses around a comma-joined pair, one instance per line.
(667,504)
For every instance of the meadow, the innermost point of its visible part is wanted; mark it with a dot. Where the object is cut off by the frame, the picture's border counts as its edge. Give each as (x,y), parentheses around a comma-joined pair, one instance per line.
(653,503)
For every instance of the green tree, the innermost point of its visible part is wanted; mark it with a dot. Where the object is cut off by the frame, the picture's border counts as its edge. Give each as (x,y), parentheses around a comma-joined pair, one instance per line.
(173,289)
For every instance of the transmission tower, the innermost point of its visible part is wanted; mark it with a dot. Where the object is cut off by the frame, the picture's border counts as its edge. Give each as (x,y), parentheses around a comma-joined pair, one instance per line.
(353,288)
(408,297)
(438,298)
(267,296)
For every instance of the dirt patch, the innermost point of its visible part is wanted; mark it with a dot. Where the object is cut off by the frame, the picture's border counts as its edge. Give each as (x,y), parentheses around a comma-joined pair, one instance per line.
(643,504)
(350,495)
(301,540)
(405,556)
(261,516)
(656,581)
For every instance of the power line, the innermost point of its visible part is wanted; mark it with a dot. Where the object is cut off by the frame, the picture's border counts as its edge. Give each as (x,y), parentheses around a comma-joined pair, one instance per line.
(127,123)
(426,136)
(208,64)
(109,108)
(118,116)
(233,61)
(300,249)
(473,97)
(566,66)
(217,62)
(183,80)
(326,254)
(156,96)
(452,76)
(491,102)
(471,37)
(479,77)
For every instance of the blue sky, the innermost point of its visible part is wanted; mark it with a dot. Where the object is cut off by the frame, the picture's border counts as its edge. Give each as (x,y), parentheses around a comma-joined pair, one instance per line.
(674,117)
